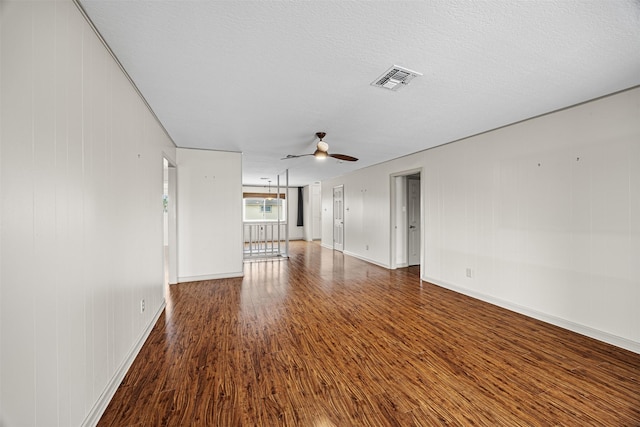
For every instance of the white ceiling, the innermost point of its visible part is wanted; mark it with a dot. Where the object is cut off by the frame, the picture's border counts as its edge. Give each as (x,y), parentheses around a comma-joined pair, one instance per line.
(261,77)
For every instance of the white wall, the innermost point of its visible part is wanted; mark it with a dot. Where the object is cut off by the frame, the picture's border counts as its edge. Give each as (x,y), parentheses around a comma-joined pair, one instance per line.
(315,209)
(367,216)
(295,232)
(400,223)
(307,230)
(312,212)
(209,214)
(546,213)
(81,217)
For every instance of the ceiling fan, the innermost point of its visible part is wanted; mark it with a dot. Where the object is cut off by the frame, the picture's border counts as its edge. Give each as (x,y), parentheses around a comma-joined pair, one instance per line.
(322,151)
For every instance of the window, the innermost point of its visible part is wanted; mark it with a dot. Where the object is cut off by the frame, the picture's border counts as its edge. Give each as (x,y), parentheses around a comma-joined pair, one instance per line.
(263,207)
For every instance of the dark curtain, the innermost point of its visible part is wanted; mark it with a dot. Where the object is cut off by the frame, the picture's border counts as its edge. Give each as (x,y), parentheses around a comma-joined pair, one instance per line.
(300,205)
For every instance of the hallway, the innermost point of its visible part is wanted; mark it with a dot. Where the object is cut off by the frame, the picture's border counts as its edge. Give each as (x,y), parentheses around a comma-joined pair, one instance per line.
(325,339)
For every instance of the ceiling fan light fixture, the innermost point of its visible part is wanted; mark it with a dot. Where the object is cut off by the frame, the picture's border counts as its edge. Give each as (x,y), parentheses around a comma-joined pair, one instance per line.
(323,146)
(319,154)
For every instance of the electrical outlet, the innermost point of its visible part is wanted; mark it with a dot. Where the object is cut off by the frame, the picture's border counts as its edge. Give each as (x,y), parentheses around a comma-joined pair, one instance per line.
(469,272)
(367,247)
(142,306)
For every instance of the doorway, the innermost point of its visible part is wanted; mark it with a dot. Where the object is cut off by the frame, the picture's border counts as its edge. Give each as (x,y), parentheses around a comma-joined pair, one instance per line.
(338,218)
(406,214)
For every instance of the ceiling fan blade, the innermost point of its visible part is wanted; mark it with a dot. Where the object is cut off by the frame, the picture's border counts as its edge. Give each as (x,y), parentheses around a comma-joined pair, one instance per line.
(343,157)
(294,156)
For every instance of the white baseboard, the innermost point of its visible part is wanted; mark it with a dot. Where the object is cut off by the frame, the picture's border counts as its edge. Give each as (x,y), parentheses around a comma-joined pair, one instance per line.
(369,260)
(210,277)
(101,404)
(557,321)
(366,259)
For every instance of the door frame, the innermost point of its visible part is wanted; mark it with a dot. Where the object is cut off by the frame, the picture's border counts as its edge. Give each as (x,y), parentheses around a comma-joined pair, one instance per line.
(394,199)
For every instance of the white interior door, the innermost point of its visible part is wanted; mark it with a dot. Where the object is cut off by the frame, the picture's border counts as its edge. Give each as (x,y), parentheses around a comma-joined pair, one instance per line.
(338,218)
(413,219)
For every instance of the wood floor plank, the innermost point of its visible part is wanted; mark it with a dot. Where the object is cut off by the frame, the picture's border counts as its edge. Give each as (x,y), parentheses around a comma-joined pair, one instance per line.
(324,339)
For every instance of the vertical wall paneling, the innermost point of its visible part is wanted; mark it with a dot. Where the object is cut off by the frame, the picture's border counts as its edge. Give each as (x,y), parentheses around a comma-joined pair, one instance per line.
(81,217)
(541,217)
(43,155)
(634,221)
(18,356)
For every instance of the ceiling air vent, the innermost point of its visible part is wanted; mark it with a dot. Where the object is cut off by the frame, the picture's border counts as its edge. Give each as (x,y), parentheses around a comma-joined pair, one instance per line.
(395,78)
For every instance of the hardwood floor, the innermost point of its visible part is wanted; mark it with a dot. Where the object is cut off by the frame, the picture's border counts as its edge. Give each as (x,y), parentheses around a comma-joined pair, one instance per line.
(328,340)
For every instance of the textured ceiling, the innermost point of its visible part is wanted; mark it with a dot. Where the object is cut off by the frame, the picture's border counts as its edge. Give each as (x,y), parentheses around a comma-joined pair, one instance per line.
(261,77)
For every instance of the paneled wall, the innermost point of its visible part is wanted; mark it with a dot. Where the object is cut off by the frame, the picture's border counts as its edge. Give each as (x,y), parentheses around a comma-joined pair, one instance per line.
(209,214)
(545,214)
(81,161)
